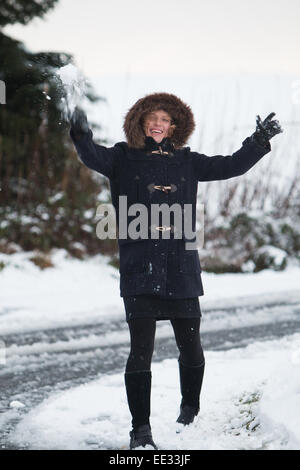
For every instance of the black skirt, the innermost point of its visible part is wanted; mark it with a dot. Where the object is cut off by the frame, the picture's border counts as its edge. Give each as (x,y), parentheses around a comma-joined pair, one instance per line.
(152,306)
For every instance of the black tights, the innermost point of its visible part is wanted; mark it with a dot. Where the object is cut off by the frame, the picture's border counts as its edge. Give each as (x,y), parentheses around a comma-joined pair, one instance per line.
(142,335)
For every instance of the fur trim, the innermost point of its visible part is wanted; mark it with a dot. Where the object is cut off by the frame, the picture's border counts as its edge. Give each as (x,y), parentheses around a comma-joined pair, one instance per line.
(180,113)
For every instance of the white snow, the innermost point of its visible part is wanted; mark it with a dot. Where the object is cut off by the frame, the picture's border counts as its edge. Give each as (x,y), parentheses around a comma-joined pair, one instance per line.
(250,397)
(16,404)
(276,253)
(250,400)
(75,86)
(73,292)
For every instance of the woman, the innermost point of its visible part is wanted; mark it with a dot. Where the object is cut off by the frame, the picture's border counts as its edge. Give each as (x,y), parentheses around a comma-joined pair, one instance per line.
(159,278)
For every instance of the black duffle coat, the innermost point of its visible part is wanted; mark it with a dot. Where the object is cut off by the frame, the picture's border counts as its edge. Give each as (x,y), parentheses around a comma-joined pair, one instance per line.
(161,267)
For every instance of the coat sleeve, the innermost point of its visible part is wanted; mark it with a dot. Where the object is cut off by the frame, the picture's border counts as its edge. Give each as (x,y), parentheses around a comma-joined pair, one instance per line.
(95,156)
(221,167)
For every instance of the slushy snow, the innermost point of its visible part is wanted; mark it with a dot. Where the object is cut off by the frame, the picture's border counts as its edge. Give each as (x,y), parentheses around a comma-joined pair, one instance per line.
(245,404)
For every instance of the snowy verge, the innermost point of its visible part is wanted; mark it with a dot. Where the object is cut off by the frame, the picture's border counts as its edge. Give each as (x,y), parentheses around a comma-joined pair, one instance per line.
(73,292)
(245,404)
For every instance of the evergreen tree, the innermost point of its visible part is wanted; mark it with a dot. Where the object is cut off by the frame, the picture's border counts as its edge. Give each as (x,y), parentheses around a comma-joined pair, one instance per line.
(45,192)
(23,11)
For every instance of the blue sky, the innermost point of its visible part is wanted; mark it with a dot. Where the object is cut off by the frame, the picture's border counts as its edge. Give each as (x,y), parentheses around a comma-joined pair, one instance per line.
(191,37)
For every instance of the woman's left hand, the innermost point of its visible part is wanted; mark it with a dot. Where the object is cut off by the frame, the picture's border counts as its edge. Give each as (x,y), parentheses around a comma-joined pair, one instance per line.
(266,129)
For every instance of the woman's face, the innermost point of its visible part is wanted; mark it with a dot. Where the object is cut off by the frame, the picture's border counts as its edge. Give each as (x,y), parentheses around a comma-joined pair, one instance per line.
(158,124)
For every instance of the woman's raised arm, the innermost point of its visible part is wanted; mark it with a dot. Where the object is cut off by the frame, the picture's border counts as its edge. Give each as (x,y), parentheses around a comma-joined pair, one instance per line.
(253,149)
(220,167)
(94,156)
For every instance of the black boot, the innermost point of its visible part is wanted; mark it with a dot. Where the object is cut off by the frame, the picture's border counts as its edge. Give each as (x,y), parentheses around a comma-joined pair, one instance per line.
(138,389)
(187,414)
(141,436)
(191,378)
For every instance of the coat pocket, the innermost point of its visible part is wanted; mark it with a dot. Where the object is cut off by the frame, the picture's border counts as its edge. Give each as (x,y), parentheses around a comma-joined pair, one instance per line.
(189,261)
(133,255)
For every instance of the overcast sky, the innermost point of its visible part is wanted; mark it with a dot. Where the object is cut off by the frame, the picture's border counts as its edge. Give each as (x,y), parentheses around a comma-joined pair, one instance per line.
(191,37)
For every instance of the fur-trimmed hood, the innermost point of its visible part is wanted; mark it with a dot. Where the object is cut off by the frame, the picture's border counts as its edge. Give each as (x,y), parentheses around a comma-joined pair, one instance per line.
(180,113)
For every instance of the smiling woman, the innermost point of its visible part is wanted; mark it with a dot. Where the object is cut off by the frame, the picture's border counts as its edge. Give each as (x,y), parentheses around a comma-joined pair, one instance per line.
(160,277)
(158,124)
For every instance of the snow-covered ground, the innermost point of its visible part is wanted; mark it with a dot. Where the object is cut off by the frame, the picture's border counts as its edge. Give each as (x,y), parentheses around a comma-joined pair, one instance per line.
(250,397)
(250,400)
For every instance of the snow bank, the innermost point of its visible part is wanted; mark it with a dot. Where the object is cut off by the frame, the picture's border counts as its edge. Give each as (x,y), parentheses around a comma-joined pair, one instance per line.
(250,400)
(73,292)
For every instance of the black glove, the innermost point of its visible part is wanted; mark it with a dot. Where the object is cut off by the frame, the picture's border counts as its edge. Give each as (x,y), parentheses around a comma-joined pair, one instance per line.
(266,129)
(79,122)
